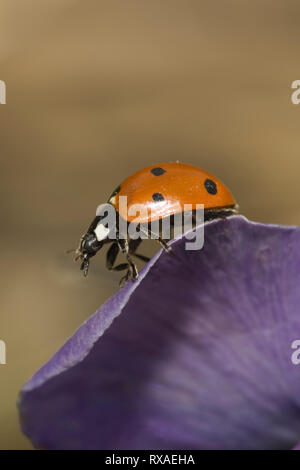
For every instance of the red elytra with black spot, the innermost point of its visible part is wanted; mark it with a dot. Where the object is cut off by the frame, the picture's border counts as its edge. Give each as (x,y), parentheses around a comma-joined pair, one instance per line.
(162,190)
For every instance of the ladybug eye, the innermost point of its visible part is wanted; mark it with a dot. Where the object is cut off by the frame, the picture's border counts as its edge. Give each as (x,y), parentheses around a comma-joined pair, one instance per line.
(210,186)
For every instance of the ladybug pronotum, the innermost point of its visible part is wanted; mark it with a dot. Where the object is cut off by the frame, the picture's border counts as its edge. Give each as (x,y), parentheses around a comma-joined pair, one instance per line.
(162,190)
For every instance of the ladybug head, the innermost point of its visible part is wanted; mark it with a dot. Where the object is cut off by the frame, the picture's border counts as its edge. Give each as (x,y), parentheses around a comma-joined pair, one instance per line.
(88,247)
(96,235)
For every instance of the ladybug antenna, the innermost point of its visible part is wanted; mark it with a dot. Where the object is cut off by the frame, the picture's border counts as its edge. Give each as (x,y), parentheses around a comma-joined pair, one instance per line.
(76,251)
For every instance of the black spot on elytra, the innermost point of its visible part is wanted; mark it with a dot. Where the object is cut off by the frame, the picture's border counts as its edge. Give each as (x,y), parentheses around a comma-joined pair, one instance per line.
(210,186)
(116,191)
(157,197)
(158,171)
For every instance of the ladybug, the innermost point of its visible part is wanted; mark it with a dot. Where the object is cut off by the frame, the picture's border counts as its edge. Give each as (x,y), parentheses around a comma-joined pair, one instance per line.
(162,190)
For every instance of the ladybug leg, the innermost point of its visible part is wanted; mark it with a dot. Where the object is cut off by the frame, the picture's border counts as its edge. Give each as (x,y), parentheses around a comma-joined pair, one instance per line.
(164,244)
(125,278)
(132,269)
(133,245)
(111,255)
(158,238)
(141,257)
(111,259)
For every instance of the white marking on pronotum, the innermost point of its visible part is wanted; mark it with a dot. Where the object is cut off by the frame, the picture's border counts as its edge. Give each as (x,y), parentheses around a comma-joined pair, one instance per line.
(2,352)
(2,92)
(101,232)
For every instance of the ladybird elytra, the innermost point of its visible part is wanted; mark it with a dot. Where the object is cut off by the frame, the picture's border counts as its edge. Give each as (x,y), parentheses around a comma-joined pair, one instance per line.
(161,187)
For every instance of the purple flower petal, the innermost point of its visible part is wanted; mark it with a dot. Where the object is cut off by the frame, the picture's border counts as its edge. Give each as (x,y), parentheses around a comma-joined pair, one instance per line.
(194,355)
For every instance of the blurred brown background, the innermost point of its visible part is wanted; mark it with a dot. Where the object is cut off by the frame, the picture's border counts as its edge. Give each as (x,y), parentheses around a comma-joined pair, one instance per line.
(95,91)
